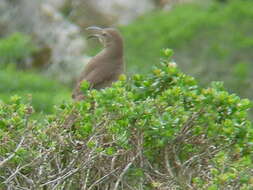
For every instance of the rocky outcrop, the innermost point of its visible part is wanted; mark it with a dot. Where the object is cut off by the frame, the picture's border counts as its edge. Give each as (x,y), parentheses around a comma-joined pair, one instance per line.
(61,39)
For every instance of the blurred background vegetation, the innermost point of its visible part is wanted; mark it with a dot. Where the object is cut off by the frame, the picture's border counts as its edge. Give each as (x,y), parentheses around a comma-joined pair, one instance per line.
(16,79)
(41,56)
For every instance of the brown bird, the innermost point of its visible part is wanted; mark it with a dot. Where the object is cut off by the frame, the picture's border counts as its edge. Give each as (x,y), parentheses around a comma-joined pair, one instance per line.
(105,68)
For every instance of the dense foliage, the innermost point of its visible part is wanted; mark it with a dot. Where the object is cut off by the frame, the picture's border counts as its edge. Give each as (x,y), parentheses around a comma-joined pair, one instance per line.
(160,131)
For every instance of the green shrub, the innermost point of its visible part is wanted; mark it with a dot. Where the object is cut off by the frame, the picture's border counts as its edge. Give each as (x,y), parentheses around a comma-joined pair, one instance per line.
(45,93)
(160,131)
(15,48)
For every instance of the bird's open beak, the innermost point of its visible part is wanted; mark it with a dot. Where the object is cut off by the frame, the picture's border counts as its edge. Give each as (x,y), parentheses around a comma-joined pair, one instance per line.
(93,36)
(98,34)
(96,29)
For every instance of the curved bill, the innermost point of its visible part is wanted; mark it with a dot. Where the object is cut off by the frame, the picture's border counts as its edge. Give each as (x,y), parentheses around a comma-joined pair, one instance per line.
(93,36)
(94,28)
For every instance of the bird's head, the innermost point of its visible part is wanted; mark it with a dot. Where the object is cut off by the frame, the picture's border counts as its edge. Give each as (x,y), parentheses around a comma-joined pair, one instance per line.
(109,37)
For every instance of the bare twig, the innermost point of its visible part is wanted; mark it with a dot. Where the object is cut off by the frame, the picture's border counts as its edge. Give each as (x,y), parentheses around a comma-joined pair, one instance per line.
(102,178)
(13,154)
(187,126)
(167,164)
(124,171)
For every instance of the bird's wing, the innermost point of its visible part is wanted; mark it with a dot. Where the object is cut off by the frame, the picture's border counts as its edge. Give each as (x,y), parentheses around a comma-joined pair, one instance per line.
(98,78)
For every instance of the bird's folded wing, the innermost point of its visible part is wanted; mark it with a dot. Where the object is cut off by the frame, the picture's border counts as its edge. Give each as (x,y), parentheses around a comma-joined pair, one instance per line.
(99,78)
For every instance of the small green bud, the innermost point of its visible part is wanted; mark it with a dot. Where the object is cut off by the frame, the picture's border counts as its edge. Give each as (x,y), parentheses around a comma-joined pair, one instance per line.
(168,52)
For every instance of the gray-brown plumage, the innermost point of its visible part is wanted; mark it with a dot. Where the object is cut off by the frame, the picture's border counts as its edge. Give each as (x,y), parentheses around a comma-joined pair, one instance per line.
(105,68)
